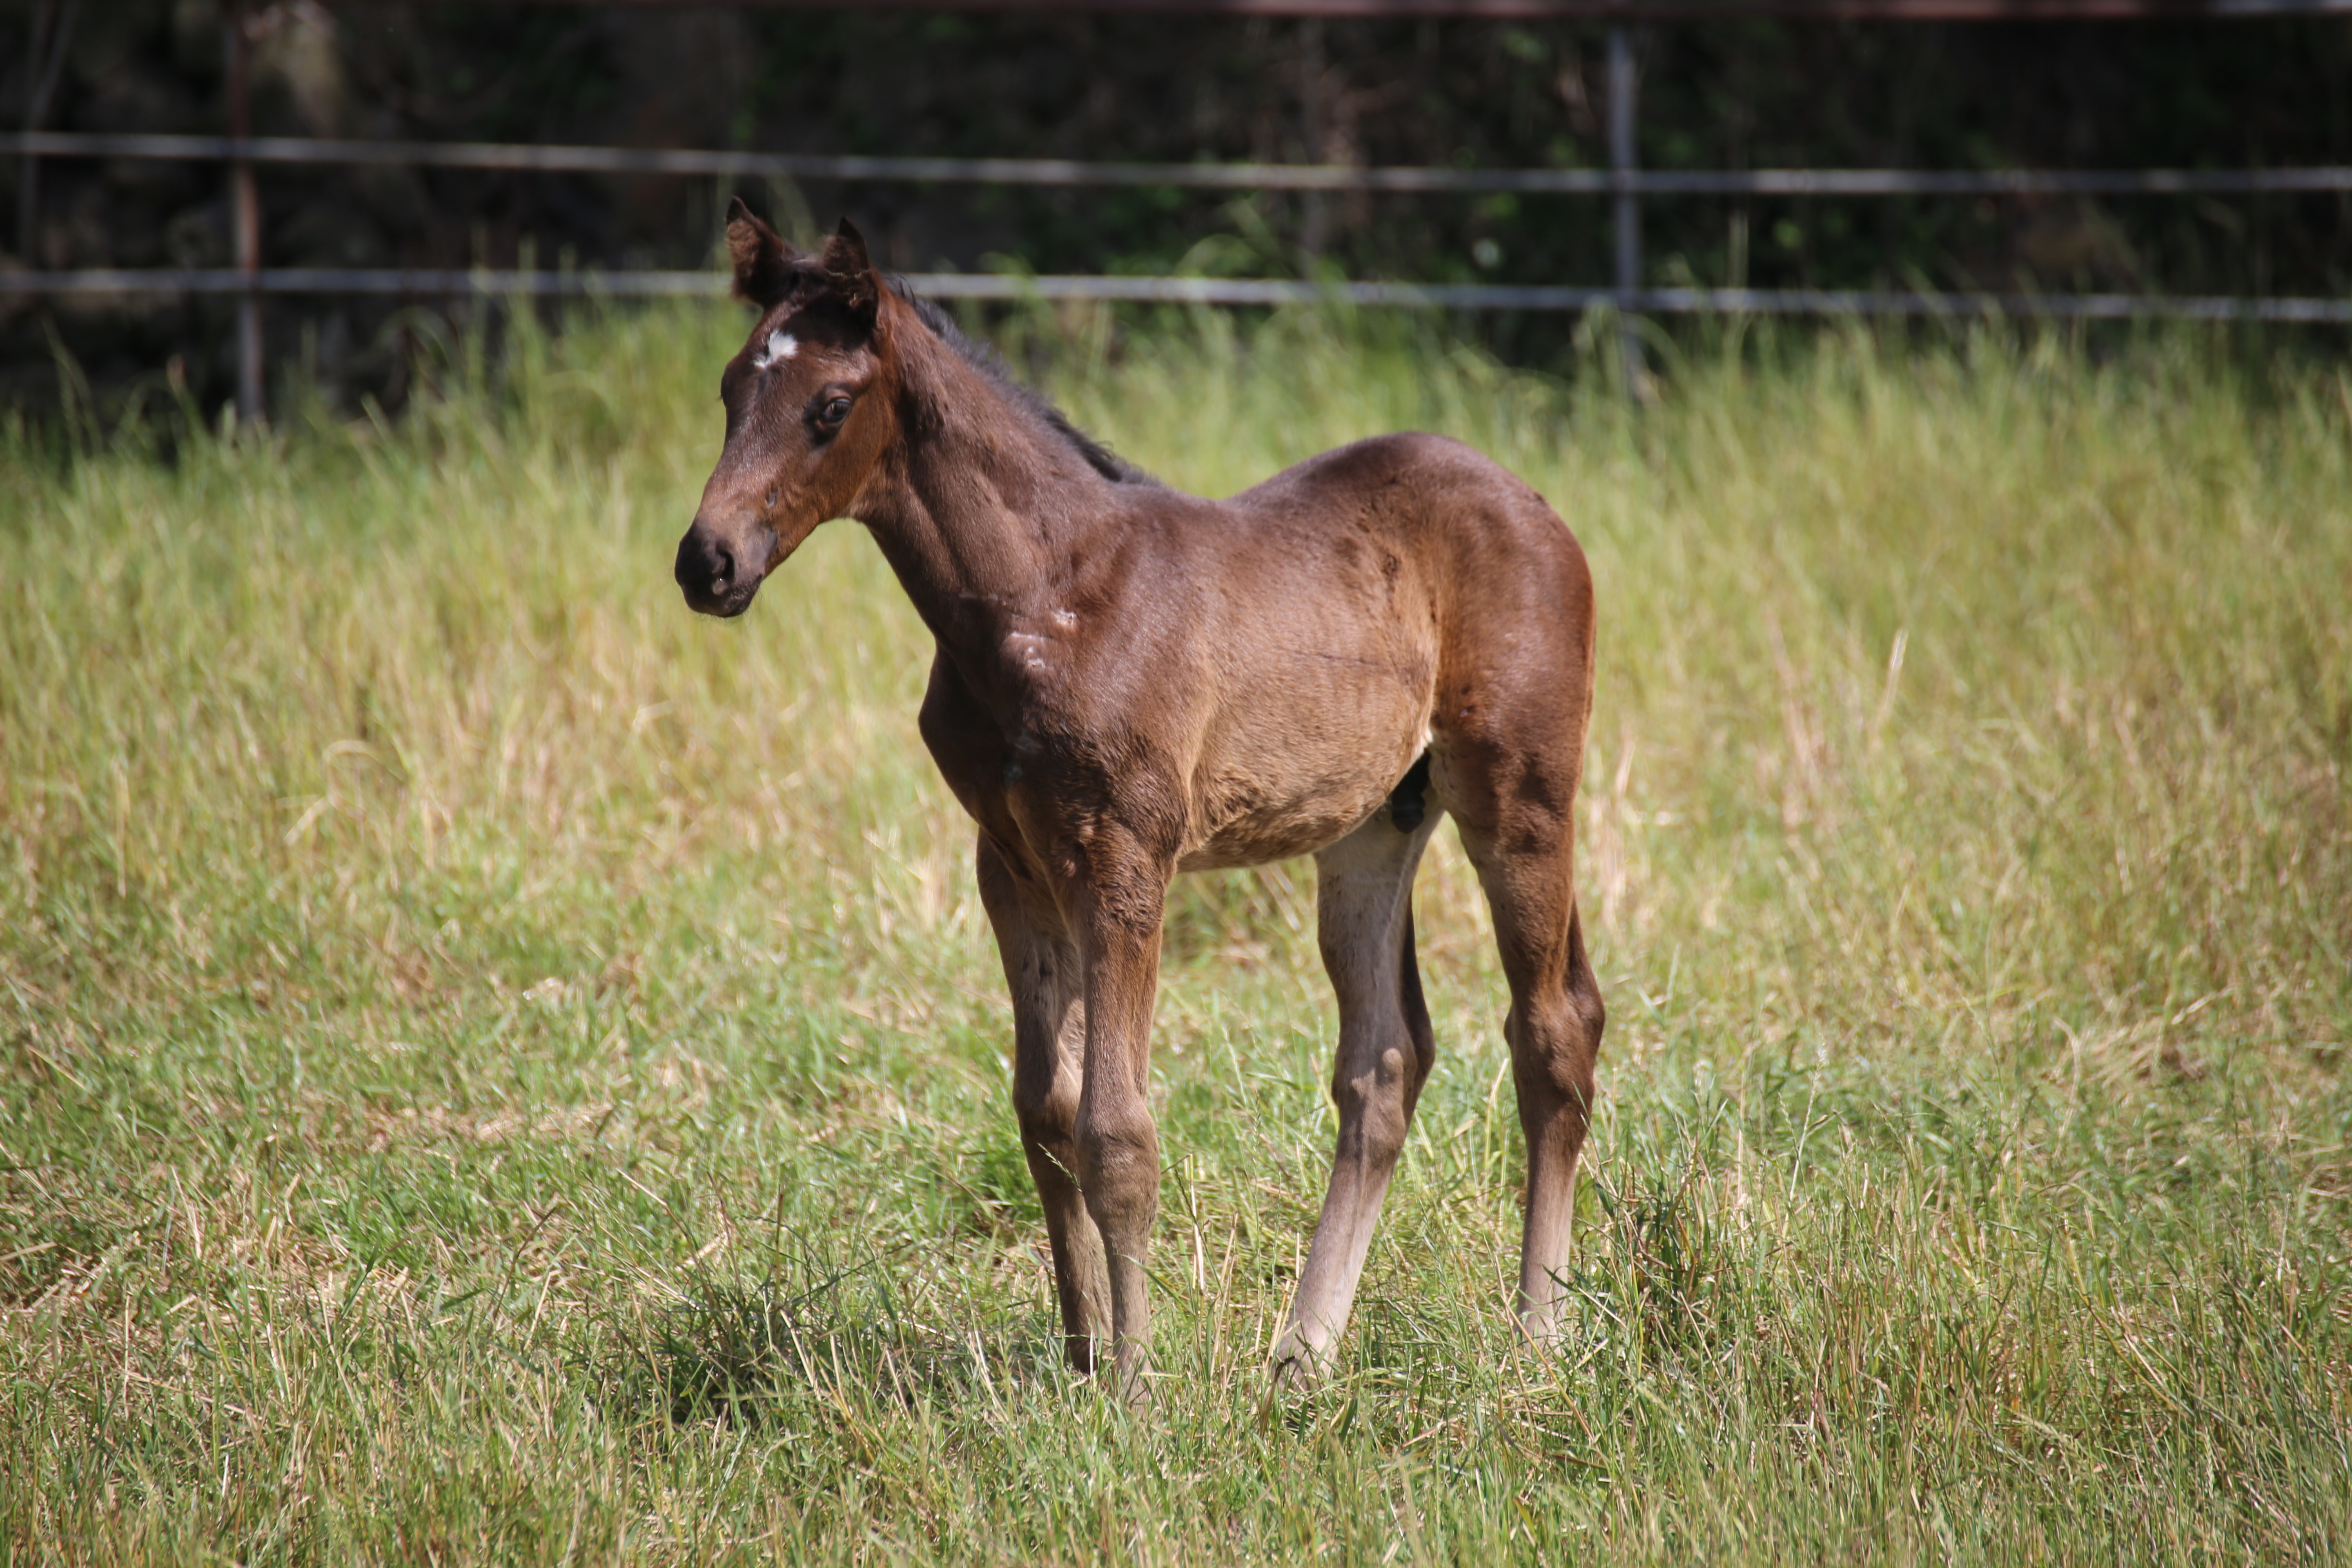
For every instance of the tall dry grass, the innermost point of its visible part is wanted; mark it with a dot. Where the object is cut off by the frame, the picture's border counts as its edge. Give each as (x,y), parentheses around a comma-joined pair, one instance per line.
(499,1068)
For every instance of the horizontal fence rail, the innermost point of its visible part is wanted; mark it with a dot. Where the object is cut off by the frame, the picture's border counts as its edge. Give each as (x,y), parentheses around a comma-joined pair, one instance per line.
(448,282)
(1616,11)
(502,155)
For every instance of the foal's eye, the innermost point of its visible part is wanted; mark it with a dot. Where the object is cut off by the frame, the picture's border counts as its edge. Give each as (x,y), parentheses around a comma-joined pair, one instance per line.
(835,411)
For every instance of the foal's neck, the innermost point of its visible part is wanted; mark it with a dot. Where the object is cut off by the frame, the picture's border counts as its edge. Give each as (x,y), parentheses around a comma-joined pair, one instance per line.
(982,508)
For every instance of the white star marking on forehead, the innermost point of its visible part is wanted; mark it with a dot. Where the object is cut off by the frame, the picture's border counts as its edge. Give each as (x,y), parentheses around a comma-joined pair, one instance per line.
(781,345)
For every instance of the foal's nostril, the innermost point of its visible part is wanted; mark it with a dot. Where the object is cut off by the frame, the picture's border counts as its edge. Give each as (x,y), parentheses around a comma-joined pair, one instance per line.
(706,569)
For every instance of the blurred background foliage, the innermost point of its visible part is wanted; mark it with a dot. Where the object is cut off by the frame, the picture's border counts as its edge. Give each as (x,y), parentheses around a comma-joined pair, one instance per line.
(2242,93)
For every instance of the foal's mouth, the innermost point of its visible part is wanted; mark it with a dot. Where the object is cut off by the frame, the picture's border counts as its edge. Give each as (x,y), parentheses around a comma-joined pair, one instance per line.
(726,604)
(712,577)
(718,597)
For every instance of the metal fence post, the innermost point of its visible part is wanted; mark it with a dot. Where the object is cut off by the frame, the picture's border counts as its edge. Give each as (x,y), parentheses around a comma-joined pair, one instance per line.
(52,37)
(244,216)
(1628,210)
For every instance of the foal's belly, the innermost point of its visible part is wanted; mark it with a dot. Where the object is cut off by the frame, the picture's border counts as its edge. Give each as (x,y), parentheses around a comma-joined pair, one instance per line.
(1298,789)
(1300,828)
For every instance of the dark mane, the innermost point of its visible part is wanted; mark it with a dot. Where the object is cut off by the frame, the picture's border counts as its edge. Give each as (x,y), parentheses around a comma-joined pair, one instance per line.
(986,361)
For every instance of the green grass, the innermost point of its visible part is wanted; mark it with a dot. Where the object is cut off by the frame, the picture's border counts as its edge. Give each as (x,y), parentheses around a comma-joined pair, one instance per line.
(498,1068)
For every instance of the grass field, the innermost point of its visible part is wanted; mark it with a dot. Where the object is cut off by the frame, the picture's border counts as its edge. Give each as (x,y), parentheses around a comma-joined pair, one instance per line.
(494,1069)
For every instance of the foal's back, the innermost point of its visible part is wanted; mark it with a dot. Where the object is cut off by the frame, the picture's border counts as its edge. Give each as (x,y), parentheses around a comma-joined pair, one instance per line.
(1399,595)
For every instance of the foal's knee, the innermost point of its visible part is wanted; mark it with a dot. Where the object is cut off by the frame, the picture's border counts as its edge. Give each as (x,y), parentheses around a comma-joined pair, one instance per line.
(1118,1155)
(1045,1107)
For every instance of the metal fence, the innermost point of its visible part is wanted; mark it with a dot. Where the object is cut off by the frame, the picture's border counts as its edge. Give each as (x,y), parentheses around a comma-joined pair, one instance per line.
(1624,182)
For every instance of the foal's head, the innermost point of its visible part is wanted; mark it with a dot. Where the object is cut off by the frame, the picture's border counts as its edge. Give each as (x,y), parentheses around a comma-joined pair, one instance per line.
(807,410)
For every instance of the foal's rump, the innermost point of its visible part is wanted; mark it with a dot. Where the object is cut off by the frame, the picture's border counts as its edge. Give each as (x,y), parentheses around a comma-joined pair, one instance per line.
(1394,597)
(1414,525)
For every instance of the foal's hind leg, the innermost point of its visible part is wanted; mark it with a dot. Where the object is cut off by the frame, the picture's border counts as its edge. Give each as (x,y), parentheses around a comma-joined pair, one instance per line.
(1523,856)
(1364,926)
(1042,966)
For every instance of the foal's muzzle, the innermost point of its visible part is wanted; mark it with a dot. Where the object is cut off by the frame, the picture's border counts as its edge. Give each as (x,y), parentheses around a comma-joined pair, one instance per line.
(718,575)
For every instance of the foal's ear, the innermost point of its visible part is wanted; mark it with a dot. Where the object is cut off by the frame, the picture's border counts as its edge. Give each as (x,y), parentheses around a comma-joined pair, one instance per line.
(763,262)
(848,271)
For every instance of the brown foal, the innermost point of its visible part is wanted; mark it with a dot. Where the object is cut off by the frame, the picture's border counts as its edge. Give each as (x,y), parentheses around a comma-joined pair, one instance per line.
(1132,682)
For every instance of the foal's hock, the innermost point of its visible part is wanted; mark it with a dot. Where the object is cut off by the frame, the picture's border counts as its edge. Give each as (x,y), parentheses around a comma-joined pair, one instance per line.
(1131,682)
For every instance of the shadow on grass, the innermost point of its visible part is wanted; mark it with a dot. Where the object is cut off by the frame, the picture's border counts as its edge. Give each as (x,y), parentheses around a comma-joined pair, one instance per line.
(814,1330)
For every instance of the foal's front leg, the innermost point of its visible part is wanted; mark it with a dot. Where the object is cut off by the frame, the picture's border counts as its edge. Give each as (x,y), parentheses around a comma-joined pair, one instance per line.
(1042,969)
(1119,902)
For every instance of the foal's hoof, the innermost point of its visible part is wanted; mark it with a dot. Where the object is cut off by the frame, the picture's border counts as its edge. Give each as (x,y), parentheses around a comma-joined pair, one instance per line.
(1298,1368)
(1131,1382)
